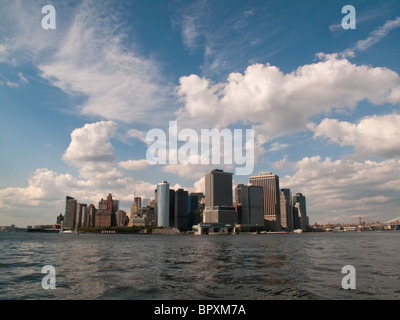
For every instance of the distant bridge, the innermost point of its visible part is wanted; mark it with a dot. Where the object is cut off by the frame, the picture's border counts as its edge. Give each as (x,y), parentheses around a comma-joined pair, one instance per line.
(394,223)
(395,220)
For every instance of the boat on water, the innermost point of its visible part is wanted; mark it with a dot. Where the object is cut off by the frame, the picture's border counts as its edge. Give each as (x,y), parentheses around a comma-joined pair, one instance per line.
(68,231)
(297,231)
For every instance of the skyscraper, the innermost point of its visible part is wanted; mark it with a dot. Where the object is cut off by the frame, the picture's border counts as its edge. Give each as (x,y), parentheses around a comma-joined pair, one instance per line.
(162,204)
(181,210)
(218,188)
(171,213)
(70,212)
(105,215)
(193,205)
(138,202)
(218,198)
(286,209)
(250,204)
(272,205)
(81,210)
(300,211)
(92,215)
(121,218)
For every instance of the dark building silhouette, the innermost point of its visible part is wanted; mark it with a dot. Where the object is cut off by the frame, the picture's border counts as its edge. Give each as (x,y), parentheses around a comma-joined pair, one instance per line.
(249,204)
(70,213)
(181,213)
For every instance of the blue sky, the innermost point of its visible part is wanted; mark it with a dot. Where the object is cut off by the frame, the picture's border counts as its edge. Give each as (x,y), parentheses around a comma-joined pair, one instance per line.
(76,102)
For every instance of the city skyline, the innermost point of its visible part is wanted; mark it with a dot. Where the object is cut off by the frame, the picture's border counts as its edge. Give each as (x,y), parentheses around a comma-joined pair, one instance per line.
(77,101)
(249,208)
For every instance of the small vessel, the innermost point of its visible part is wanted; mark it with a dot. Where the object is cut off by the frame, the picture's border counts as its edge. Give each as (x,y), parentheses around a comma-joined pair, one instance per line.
(68,231)
(297,231)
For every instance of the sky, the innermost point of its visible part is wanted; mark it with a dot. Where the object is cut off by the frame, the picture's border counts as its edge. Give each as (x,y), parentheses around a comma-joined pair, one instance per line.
(77,101)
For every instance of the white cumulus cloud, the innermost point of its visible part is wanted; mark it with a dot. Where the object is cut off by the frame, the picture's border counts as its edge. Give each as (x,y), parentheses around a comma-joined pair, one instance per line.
(341,190)
(372,136)
(277,103)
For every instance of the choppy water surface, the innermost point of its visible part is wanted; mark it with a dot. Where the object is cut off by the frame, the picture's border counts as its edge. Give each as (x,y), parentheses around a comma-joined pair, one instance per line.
(273,266)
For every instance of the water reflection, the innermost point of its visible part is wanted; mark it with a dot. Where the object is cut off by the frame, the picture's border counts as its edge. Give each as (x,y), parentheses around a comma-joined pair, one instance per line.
(306,266)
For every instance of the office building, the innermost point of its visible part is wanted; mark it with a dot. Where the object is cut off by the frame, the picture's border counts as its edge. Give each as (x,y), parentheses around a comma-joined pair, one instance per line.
(105,215)
(218,198)
(218,188)
(250,204)
(194,203)
(300,211)
(286,210)
(138,202)
(272,205)
(162,204)
(81,211)
(70,213)
(91,216)
(134,212)
(121,218)
(171,214)
(60,219)
(181,212)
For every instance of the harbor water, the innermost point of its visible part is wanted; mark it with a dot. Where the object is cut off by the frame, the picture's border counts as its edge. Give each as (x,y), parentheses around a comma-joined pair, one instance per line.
(305,266)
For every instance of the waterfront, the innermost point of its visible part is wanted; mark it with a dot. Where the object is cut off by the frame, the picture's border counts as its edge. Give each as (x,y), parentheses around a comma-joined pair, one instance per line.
(230,267)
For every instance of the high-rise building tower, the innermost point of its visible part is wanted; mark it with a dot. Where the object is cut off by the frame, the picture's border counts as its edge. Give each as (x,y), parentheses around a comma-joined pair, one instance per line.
(300,211)
(218,198)
(272,204)
(181,212)
(70,213)
(81,211)
(171,222)
(105,215)
(250,204)
(286,209)
(162,204)
(138,202)
(218,188)
(92,215)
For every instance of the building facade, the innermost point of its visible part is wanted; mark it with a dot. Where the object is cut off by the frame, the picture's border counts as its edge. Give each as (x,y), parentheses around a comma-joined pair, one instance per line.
(70,213)
(105,215)
(300,212)
(287,221)
(181,210)
(272,204)
(250,204)
(218,198)
(81,212)
(162,204)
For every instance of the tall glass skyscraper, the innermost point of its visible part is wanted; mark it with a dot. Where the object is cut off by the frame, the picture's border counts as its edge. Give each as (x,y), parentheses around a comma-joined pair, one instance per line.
(300,212)
(162,204)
